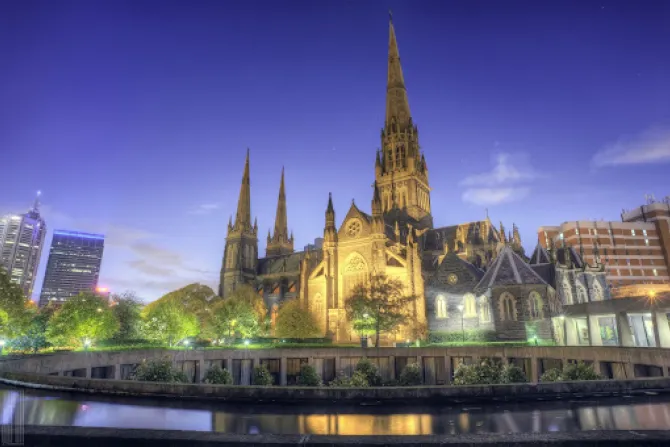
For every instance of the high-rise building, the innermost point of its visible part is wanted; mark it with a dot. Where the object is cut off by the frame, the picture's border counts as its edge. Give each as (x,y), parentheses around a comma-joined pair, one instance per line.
(21,241)
(73,266)
(634,251)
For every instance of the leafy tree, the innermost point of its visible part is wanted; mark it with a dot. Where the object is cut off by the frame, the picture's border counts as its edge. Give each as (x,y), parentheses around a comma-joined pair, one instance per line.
(127,310)
(294,321)
(86,316)
(369,370)
(308,376)
(34,338)
(378,305)
(411,375)
(158,370)
(168,323)
(15,307)
(217,376)
(262,376)
(243,314)
(195,299)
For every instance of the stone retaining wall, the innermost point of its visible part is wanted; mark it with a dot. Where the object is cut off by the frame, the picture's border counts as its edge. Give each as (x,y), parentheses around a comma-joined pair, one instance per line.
(258,394)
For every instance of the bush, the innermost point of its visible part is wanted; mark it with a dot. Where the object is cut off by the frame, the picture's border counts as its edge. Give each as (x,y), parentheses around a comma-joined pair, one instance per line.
(262,376)
(217,376)
(572,371)
(512,374)
(158,370)
(486,373)
(308,376)
(551,375)
(357,380)
(410,375)
(369,370)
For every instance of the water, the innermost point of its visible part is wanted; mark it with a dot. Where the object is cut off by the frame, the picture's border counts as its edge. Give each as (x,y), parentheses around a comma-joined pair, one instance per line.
(63,409)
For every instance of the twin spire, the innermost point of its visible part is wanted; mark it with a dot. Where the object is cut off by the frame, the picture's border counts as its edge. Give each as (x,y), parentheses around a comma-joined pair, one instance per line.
(397,105)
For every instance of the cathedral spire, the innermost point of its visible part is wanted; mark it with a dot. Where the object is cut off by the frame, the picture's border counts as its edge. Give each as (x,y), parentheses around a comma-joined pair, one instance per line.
(397,106)
(243,216)
(280,242)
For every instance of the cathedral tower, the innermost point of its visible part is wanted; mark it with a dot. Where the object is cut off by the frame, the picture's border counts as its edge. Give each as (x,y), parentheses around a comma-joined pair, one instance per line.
(241,253)
(280,242)
(400,167)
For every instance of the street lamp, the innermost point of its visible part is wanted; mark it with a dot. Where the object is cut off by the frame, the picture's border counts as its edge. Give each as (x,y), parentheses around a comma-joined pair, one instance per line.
(87,343)
(460,309)
(2,345)
(364,337)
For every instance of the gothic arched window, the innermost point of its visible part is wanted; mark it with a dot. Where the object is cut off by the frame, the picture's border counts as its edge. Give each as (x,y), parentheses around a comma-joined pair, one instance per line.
(581,294)
(507,307)
(566,292)
(469,306)
(597,291)
(484,311)
(441,307)
(535,305)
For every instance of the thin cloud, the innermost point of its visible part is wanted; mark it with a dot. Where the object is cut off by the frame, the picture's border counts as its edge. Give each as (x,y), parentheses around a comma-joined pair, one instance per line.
(148,268)
(650,146)
(206,208)
(506,182)
(494,196)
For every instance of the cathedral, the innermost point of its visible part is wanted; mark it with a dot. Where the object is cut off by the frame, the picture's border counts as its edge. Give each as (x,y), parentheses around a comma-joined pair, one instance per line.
(473,280)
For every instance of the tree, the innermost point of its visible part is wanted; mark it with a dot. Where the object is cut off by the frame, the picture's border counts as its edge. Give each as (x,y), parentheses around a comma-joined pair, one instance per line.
(15,307)
(377,305)
(169,323)
(294,321)
(127,310)
(81,319)
(308,376)
(195,299)
(243,314)
(34,338)
(369,370)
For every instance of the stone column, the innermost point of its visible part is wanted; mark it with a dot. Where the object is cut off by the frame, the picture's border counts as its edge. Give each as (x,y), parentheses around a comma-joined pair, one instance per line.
(392,367)
(447,369)
(534,370)
(661,329)
(282,370)
(595,339)
(571,338)
(117,371)
(623,330)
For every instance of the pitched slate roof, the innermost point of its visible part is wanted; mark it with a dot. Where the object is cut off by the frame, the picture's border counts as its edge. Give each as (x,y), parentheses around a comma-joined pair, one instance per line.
(574,256)
(540,256)
(508,269)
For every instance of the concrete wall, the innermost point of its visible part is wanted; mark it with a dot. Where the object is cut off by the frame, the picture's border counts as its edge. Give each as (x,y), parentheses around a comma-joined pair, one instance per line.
(437,363)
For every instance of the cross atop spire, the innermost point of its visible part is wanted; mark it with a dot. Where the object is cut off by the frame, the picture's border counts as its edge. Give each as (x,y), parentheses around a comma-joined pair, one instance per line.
(397,106)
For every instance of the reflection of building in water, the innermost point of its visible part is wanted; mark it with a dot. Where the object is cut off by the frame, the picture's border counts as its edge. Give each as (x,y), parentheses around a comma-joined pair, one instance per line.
(50,412)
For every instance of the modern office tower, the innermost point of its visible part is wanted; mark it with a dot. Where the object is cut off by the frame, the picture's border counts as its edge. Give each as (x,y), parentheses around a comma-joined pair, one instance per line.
(21,241)
(73,266)
(635,251)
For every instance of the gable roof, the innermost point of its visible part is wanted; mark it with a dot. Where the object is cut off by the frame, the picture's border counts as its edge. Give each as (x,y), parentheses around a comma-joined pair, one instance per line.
(540,256)
(576,259)
(508,269)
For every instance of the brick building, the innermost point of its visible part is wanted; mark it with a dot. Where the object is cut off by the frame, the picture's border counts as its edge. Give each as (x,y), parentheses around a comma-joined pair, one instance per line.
(634,251)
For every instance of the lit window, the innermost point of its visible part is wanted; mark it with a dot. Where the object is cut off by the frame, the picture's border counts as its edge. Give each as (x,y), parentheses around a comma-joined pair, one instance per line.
(644,232)
(632,232)
(560,236)
(507,307)
(577,231)
(469,306)
(655,272)
(485,313)
(440,307)
(646,242)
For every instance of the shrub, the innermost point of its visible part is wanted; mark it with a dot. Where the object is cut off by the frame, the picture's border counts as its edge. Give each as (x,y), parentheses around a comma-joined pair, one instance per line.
(486,373)
(308,376)
(357,380)
(579,371)
(369,370)
(410,375)
(158,370)
(551,375)
(262,376)
(512,374)
(217,376)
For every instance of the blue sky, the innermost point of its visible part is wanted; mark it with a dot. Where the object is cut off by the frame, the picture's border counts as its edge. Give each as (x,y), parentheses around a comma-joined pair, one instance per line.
(133,117)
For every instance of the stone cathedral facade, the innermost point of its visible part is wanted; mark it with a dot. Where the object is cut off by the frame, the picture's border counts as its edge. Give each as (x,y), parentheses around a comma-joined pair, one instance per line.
(474,265)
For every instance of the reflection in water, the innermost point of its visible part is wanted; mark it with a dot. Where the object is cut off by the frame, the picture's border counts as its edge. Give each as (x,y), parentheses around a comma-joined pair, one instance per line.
(41,408)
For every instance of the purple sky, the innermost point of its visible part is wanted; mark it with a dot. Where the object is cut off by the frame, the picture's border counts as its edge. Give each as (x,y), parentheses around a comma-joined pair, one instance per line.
(133,117)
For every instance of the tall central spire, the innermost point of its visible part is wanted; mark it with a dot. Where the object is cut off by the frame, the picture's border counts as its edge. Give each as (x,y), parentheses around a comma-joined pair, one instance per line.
(243,216)
(280,242)
(397,106)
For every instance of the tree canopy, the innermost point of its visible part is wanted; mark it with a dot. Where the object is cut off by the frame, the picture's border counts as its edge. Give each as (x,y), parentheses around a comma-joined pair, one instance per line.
(86,316)
(127,310)
(194,299)
(294,321)
(15,307)
(169,322)
(378,305)
(242,314)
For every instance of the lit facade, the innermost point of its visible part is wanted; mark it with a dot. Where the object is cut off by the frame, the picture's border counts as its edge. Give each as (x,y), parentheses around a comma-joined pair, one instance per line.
(73,266)
(634,251)
(21,241)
